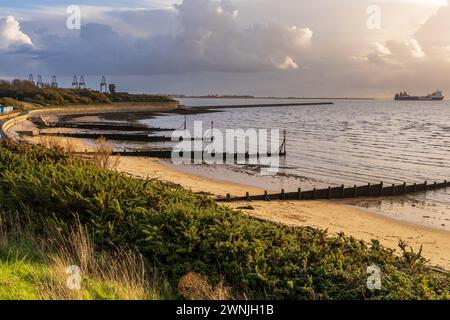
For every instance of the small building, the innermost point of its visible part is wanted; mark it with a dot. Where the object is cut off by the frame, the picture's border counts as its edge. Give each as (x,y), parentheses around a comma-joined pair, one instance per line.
(6,109)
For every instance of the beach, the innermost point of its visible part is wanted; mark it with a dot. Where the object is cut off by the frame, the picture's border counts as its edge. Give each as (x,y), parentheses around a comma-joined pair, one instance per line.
(330,215)
(334,216)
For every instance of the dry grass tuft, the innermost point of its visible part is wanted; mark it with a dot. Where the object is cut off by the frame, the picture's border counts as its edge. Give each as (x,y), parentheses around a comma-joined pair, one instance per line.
(57,143)
(103,155)
(193,286)
(124,271)
(52,143)
(116,274)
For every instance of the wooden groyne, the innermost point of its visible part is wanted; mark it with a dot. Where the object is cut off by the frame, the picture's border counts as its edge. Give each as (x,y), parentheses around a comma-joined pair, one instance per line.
(342,192)
(120,137)
(202,156)
(194,155)
(108,126)
(109,136)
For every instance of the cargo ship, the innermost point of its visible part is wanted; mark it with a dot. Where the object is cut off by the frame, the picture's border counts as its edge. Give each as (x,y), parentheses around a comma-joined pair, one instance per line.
(435,96)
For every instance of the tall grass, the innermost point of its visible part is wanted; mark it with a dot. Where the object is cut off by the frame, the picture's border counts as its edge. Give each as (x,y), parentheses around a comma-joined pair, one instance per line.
(113,274)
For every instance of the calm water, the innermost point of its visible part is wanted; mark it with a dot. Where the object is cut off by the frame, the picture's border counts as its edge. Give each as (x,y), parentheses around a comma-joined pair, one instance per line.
(351,142)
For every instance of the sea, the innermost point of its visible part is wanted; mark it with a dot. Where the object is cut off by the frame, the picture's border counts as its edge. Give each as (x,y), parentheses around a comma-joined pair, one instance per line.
(351,142)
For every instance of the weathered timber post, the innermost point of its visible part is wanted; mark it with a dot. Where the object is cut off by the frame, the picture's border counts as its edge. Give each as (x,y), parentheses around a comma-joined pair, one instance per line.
(228,197)
(369,187)
(355,191)
(404,187)
(415,187)
(435,185)
(393,189)
(247,196)
(314,194)
(342,191)
(329,192)
(426,183)
(381,188)
(282,196)
(266,197)
(299,194)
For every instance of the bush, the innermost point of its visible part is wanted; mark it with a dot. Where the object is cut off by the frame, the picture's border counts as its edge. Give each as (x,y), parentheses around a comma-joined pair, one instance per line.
(27,91)
(180,232)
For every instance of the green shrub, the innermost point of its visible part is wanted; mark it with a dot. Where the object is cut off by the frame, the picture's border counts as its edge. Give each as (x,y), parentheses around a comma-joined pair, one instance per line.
(179,232)
(27,91)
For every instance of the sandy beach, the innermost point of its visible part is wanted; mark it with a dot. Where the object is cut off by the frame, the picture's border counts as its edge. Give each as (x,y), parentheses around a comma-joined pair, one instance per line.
(331,215)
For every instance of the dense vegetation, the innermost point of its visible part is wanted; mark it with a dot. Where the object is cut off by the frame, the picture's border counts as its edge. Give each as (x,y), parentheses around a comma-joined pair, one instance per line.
(179,232)
(128,97)
(26,91)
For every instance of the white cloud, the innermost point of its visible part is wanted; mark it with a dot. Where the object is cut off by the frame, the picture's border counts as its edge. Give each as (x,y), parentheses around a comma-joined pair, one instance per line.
(414,48)
(288,63)
(208,37)
(396,53)
(438,3)
(11,35)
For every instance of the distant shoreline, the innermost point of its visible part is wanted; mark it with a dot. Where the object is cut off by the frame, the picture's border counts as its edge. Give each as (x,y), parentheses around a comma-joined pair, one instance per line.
(262,105)
(270,98)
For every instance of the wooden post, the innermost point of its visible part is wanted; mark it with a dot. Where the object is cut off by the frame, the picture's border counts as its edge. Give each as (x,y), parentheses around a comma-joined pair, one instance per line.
(381,188)
(404,187)
(426,183)
(284,142)
(368,188)
(282,194)
(435,185)
(355,191)
(314,194)
(393,189)
(342,191)
(228,197)
(185,122)
(247,195)
(329,192)
(266,197)
(415,187)
(299,194)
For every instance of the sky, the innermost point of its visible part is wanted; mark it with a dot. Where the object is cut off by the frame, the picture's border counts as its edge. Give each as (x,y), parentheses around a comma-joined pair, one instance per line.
(320,48)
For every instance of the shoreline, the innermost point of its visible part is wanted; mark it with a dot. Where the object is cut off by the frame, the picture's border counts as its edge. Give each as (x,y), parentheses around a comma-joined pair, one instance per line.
(328,215)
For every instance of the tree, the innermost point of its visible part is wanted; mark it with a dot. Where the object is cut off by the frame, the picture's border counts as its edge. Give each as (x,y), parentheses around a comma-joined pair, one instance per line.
(112,88)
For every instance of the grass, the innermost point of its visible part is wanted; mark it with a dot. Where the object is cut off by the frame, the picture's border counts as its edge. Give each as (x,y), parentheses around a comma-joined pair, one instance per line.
(34,268)
(225,252)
